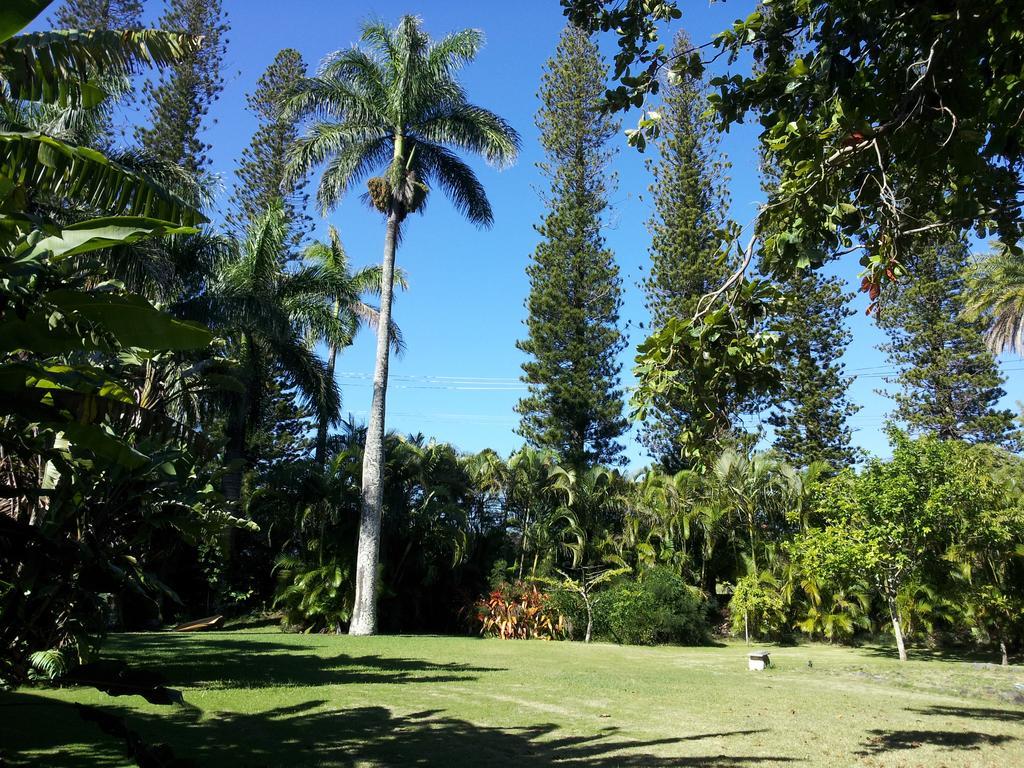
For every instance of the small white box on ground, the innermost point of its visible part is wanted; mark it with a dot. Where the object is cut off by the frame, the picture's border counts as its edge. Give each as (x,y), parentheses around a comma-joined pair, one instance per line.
(758,660)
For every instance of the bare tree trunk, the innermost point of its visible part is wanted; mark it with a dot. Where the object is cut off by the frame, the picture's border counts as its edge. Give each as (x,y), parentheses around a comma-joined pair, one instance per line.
(898,631)
(1006,656)
(590,623)
(364,611)
(231,485)
(321,427)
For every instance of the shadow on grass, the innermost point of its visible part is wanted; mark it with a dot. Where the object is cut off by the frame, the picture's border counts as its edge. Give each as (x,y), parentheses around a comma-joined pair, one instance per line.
(955,655)
(308,734)
(974,713)
(253,622)
(880,742)
(232,662)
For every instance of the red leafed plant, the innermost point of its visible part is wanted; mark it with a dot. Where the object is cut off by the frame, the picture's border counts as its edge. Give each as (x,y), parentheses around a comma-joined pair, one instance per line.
(519,611)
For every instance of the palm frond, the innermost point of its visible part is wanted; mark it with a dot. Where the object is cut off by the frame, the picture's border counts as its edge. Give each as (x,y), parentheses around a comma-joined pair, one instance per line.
(58,170)
(350,157)
(473,129)
(63,67)
(455,50)
(994,295)
(335,98)
(361,71)
(457,181)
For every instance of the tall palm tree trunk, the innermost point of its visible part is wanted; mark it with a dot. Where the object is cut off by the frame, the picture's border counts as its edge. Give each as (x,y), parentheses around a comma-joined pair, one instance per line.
(364,611)
(321,427)
(231,481)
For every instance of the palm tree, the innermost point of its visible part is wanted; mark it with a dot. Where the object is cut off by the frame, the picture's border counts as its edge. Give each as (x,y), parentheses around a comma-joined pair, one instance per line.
(348,307)
(995,293)
(755,490)
(593,502)
(395,105)
(659,526)
(271,319)
(529,500)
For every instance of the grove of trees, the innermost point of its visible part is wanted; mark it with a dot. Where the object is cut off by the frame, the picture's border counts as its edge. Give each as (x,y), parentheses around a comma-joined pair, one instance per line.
(171,435)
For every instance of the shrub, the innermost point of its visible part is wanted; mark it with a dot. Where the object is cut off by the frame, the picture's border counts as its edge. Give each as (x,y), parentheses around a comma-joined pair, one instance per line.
(681,610)
(519,611)
(630,614)
(315,597)
(658,608)
(759,599)
(569,605)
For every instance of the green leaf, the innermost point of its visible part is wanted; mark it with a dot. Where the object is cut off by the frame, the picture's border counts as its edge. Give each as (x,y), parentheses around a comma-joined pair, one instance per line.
(102,443)
(130,319)
(57,67)
(46,166)
(95,234)
(17,14)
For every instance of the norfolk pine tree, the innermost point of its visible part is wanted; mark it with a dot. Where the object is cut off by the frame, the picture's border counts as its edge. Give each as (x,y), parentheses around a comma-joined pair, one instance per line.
(949,382)
(811,405)
(690,202)
(261,172)
(103,14)
(179,102)
(574,406)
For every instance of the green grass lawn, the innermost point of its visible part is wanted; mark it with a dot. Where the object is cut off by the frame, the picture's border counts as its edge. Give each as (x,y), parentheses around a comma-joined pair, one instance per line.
(261,697)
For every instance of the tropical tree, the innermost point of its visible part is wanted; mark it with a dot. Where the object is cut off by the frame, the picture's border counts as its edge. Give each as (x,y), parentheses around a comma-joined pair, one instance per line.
(93,475)
(529,503)
(395,104)
(756,491)
(585,585)
(270,319)
(593,502)
(660,520)
(994,295)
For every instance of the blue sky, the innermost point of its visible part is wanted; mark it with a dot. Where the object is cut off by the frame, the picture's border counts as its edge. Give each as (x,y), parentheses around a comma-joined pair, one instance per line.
(463,312)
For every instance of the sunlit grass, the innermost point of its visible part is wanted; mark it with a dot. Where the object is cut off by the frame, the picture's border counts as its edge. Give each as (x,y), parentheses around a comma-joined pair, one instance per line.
(266,698)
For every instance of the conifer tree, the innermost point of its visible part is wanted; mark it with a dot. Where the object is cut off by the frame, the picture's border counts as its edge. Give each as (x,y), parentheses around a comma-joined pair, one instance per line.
(949,383)
(99,14)
(574,406)
(103,14)
(690,203)
(811,406)
(260,176)
(180,100)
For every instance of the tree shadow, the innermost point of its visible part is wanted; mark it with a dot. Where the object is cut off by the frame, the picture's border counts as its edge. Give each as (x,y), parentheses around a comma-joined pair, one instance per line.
(232,662)
(951,654)
(974,713)
(881,741)
(308,734)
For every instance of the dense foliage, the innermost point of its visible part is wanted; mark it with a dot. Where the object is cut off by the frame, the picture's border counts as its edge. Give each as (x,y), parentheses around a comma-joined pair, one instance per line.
(97,471)
(172,443)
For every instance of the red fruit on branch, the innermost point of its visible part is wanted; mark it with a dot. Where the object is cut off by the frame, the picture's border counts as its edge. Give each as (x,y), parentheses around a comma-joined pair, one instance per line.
(856,138)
